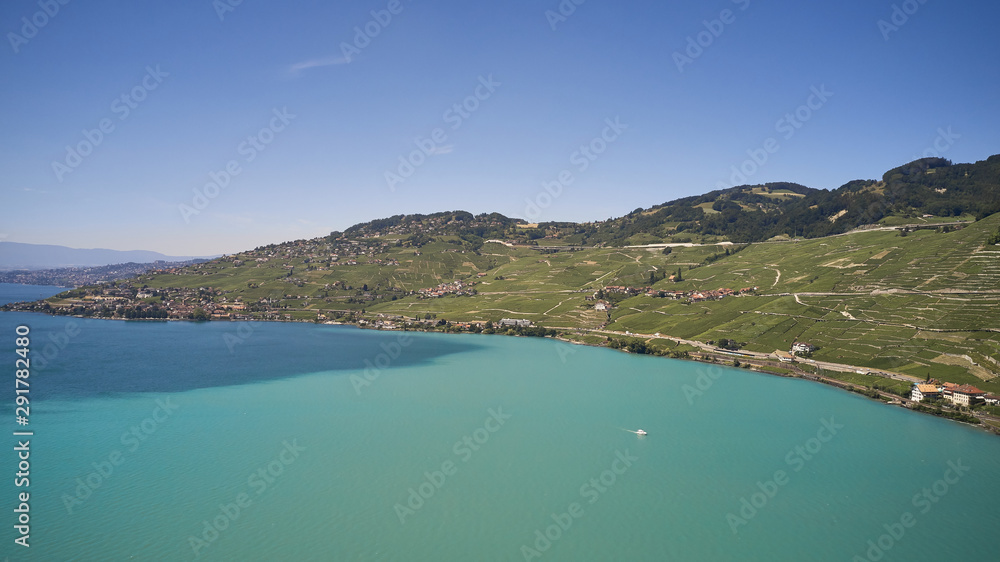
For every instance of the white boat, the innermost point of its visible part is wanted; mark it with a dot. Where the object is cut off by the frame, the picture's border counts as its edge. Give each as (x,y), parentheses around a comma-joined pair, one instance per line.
(641,432)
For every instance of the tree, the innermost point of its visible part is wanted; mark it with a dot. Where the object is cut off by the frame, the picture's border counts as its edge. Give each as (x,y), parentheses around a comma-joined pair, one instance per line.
(199,315)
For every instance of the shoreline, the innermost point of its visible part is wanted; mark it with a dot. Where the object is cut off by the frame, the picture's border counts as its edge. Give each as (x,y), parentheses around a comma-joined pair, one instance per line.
(896,400)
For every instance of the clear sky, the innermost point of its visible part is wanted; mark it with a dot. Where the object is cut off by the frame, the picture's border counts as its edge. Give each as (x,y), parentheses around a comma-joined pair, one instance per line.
(310,114)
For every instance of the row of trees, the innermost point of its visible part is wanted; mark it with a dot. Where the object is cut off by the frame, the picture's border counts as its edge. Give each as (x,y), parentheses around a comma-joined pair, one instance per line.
(142,313)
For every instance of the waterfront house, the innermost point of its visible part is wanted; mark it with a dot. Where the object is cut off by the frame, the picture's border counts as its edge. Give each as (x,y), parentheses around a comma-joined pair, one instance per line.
(921,391)
(962,395)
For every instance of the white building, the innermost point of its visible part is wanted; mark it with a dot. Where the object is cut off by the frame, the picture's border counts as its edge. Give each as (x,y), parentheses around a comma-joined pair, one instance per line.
(921,391)
(803,347)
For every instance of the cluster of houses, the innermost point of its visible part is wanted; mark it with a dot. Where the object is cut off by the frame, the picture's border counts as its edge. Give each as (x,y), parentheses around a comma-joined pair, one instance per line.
(453,288)
(122,299)
(336,261)
(698,296)
(623,290)
(957,394)
(81,276)
(395,322)
(694,296)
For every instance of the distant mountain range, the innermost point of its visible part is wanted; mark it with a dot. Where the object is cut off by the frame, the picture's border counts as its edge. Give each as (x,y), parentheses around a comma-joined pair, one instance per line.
(78,276)
(19,256)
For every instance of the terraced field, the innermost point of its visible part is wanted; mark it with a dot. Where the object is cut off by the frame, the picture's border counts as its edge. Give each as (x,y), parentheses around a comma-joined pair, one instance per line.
(927,303)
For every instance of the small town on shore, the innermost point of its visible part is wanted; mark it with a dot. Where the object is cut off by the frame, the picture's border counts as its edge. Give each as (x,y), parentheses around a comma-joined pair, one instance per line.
(123,300)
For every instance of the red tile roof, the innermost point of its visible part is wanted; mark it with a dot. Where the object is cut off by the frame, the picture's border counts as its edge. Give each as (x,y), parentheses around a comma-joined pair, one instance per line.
(968,389)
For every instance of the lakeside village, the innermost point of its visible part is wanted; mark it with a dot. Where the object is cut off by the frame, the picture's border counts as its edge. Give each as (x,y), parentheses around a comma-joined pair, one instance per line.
(123,300)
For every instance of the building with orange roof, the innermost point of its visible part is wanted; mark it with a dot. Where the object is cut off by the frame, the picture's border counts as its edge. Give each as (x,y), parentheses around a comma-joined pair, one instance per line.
(962,395)
(921,391)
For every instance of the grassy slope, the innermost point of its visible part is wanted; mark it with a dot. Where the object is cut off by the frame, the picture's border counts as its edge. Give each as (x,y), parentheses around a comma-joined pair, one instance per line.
(866,321)
(888,330)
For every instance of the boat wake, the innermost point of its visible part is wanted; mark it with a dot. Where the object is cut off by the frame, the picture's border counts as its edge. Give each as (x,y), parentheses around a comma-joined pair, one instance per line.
(639,432)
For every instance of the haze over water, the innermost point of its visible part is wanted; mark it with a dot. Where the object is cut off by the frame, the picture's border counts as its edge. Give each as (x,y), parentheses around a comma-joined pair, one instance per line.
(276,417)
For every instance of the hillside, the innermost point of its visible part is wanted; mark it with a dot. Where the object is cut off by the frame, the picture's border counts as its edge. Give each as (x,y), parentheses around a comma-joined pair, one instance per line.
(930,186)
(917,299)
(929,190)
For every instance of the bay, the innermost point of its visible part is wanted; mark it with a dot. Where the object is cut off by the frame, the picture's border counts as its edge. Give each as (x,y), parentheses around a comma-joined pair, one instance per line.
(167,441)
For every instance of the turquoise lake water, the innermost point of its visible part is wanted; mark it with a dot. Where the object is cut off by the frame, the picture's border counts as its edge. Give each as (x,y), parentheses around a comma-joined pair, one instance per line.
(252,441)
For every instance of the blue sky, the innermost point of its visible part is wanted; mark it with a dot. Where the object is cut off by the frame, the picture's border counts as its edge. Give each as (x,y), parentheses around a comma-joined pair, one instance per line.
(310,129)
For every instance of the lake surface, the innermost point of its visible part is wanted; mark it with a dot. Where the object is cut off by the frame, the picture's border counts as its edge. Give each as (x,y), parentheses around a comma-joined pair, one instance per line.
(253,441)
(13,292)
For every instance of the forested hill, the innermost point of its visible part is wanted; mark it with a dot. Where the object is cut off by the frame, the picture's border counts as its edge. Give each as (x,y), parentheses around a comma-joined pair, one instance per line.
(930,186)
(926,190)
